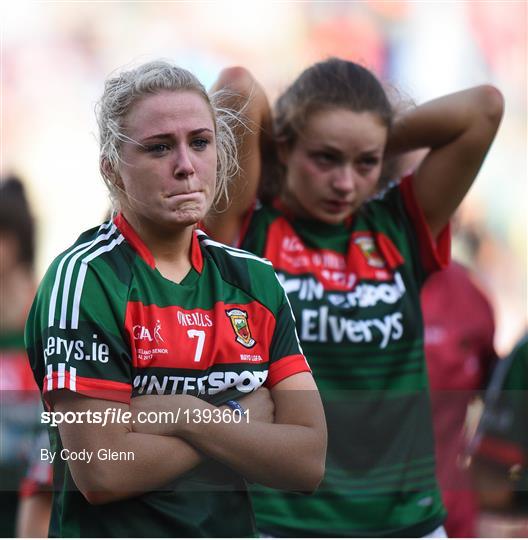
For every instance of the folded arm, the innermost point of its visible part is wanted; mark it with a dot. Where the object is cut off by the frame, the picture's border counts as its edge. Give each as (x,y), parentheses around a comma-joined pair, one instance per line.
(287,454)
(157,460)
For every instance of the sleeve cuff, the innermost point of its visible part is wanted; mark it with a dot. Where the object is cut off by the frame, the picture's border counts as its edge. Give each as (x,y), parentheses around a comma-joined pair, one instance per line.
(94,388)
(434,255)
(286,367)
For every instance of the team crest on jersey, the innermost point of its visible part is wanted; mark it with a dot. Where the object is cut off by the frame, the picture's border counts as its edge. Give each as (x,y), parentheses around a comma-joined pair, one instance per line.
(239,322)
(368,247)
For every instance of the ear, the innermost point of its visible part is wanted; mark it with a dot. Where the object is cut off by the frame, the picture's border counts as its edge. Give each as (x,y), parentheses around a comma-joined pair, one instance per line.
(108,172)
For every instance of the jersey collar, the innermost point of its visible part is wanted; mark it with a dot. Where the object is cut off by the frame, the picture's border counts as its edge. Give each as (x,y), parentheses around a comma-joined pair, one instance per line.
(132,237)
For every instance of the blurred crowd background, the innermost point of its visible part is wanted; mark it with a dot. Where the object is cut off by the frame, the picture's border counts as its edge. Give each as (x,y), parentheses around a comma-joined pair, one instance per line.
(55,56)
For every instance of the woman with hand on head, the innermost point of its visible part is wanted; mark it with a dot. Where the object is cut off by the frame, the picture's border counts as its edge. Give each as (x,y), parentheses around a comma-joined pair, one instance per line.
(146,314)
(352,261)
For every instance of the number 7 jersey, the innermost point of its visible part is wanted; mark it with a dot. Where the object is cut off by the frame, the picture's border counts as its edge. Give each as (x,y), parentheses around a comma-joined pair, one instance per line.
(106,324)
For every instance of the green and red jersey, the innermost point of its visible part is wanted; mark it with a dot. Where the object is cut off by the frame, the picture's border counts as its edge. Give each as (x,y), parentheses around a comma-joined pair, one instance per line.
(19,419)
(354,290)
(501,439)
(106,324)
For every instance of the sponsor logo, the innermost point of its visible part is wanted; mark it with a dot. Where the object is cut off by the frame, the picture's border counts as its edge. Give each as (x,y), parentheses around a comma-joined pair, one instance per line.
(194,319)
(213,383)
(239,322)
(368,247)
(319,325)
(363,295)
(76,349)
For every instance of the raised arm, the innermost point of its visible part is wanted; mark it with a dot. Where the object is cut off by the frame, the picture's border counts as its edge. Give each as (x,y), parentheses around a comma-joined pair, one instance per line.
(245,96)
(459,129)
(156,460)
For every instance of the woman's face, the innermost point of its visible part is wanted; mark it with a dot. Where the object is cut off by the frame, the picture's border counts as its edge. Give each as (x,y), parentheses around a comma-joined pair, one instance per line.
(168,175)
(335,164)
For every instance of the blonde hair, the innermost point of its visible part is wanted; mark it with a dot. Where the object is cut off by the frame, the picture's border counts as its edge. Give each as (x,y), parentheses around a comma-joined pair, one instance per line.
(123,91)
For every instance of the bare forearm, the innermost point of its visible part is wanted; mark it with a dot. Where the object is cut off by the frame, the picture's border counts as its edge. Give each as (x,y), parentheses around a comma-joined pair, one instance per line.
(440,121)
(282,456)
(458,130)
(146,463)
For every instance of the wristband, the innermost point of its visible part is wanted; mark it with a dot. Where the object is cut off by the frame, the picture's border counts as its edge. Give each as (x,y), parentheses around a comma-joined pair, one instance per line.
(235,405)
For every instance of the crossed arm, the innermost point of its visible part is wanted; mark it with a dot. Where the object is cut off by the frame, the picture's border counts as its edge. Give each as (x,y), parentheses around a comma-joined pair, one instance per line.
(288,453)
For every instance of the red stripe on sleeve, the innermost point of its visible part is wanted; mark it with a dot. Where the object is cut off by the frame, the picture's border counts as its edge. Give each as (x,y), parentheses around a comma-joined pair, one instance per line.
(434,255)
(286,367)
(503,452)
(28,488)
(94,388)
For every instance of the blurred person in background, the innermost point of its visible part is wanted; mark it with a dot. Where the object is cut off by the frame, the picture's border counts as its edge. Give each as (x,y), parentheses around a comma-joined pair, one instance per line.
(146,304)
(353,266)
(20,404)
(499,449)
(459,329)
(36,490)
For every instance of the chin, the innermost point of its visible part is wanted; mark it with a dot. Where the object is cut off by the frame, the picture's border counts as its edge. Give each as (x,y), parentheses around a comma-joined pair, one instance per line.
(333,219)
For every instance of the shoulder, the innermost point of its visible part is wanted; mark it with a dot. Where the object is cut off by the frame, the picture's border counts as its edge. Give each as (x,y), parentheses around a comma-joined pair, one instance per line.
(94,246)
(258,226)
(244,270)
(98,262)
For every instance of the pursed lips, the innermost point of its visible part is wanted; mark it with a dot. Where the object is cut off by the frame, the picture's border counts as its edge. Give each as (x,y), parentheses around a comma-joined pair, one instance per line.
(181,193)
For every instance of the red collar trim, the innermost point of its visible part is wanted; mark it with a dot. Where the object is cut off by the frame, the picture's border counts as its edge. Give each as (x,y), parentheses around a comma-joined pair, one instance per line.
(196,253)
(282,208)
(132,237)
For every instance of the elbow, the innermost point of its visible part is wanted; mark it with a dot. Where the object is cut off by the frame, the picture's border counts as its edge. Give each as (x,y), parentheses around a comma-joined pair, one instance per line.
(98,488)
(102,495)
(491,103)
(95,498)
(312,479)
(237,79)
(308,476)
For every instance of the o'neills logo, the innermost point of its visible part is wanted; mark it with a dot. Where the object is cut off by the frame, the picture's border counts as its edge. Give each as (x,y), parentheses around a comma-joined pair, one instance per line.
(239,322)
(368,248)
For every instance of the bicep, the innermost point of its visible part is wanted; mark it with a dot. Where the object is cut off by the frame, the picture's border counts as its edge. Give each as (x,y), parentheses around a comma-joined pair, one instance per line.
(444,176)
(85,435)
(297,401)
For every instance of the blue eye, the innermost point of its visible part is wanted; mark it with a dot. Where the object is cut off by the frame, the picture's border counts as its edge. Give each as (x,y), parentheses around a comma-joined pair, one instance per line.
(200,144)
(158,148)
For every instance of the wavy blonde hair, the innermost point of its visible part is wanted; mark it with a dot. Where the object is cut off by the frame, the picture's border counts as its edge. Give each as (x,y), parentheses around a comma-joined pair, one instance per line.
(123,91)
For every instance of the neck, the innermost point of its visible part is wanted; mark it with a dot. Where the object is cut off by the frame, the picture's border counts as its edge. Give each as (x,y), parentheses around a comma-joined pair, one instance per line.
(170,247)
(293,205)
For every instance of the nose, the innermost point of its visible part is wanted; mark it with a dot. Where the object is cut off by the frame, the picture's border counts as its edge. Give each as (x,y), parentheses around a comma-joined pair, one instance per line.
(183,167)
(344,180)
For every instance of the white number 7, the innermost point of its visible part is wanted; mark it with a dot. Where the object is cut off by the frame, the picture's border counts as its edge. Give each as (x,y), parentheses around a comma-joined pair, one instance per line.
(200,334)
